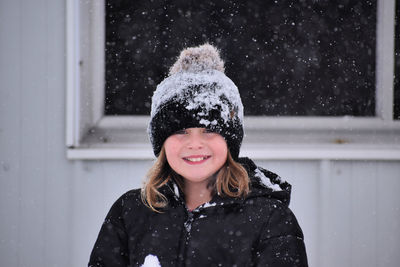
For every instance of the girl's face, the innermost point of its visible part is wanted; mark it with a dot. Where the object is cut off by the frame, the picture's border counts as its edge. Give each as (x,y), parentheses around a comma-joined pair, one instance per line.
(196,154)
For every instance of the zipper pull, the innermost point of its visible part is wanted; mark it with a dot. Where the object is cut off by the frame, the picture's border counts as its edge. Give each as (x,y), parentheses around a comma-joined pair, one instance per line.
(189,221)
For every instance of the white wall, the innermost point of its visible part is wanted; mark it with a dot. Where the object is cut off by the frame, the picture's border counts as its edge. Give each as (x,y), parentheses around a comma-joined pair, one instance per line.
(51,209)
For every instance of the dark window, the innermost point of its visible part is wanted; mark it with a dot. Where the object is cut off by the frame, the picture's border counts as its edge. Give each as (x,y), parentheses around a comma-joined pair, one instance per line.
(396,112)
(312,58)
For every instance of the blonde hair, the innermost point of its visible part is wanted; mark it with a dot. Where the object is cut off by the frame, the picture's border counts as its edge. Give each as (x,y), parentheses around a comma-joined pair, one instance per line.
(231,180)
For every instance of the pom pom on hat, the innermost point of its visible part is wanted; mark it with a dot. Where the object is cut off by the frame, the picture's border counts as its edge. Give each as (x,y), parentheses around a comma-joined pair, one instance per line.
(196,59)
(197,94)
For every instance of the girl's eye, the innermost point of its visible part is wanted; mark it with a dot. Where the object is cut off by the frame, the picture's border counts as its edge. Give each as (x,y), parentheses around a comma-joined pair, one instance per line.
(208,131)
(181,132)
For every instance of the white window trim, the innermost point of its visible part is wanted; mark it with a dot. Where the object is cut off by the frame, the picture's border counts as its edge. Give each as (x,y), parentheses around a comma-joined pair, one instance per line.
(91,135)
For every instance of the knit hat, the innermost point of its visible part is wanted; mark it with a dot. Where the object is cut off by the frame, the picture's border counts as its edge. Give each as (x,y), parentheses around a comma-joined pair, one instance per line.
(197,94)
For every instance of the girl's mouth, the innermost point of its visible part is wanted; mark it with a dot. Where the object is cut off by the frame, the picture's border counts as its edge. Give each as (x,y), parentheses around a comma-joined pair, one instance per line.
(196,159)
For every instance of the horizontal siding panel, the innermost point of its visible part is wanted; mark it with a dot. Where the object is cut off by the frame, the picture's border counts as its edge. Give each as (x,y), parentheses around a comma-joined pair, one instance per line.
(88,210)
(58,172)
(364,180)
(10,73)
(32,215)
(388,214)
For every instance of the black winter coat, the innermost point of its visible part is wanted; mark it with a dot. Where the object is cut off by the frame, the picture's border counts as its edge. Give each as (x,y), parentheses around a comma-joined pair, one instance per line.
(259,230)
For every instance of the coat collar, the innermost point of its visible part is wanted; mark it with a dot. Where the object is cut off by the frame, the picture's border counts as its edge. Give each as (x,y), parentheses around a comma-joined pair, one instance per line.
(263,183)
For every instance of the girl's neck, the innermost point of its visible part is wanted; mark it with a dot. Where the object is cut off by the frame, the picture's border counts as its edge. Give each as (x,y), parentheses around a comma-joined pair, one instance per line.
(196,194)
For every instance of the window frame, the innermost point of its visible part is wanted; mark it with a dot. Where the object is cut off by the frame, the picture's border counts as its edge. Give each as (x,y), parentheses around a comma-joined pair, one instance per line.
(91,135)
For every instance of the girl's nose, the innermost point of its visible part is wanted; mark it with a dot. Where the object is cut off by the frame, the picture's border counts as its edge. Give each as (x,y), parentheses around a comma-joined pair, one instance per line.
(195,140)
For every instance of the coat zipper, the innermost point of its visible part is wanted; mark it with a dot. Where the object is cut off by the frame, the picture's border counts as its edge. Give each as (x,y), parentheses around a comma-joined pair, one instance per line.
(187,225)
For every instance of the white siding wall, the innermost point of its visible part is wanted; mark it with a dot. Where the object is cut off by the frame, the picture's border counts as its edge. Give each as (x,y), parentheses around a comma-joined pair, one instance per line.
(51,209)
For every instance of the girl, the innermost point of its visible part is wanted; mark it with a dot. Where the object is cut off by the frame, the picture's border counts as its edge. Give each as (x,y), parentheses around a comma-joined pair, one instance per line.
(201,205)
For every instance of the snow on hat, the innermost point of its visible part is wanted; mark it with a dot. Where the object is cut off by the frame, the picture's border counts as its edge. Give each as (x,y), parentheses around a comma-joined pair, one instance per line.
(197,94)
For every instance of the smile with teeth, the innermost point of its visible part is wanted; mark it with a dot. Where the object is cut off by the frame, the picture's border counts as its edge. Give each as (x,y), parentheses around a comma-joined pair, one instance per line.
(196,159)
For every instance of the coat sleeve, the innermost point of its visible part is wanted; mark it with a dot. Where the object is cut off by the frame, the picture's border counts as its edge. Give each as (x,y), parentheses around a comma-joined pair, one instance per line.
(111,247)
(281,242)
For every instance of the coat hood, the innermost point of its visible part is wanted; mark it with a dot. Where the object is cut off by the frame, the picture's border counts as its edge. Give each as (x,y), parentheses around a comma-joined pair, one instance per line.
(266,183)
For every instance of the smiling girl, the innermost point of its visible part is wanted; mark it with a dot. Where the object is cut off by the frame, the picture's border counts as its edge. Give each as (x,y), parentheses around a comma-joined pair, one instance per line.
(201,205)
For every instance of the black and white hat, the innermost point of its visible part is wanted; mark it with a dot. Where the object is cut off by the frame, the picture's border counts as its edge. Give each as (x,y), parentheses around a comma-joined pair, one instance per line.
(197,94)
